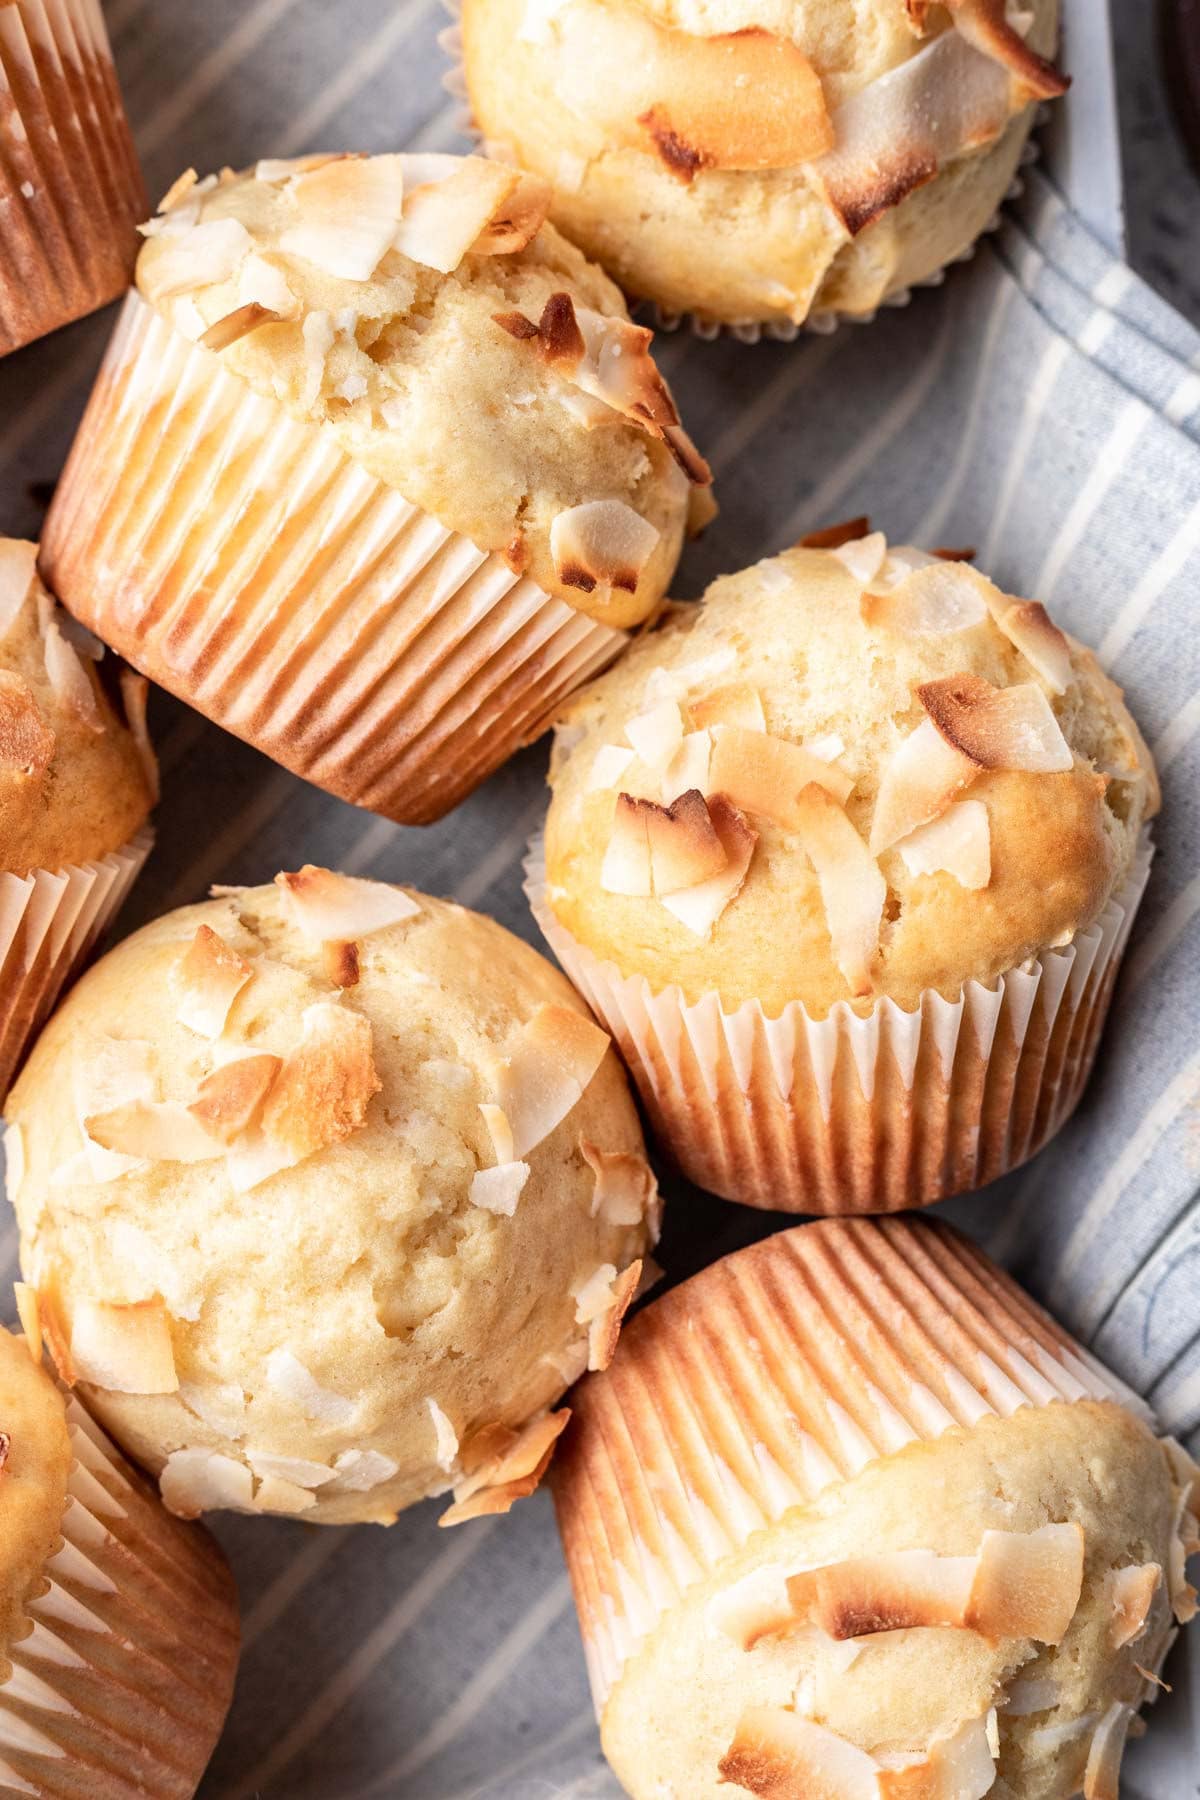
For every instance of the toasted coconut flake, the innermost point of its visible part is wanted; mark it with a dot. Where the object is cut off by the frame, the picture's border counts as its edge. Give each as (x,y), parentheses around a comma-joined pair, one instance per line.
(229,1101)
(894,134)
(208,253)
(657,734)
(1029,626)
(29,1313)
(451,215)
(852,889)
(512,1470)
(327,907)
(135,695)
(593,1295)
(207,980)
(348,214)
(688,768)
(684,846)
(236,325)
(445,1437)
(755,1607)
(897,1591)
(125,1348)
(517,220)
(289,1377)
(862,557)
(54,1328)
(1131,1592)
(179,190)
(764,774)
(1102,1777)
(550,1062)
(497,1190)
(70,680)
(26,741)
(919,783)
(609,766)
(299,1470)
(153,1131)
(499,1130)
(340,963)
(626,865)
(778,1755)
(699,907)
(601,545)
(737,703)
(625,1187)
(196,1481)
(1183,1542)
(274,1495)
(18,565)
(117,1071)
(928,602)
(998,728)
(986,25)
(604,1326)
(1027,1583)
(736,100)
(322,1092)
(959,843)
(832,537)
(960,1764)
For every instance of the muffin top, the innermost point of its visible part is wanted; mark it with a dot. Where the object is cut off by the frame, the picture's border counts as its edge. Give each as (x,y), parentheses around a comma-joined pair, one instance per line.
(35,1457)
(786,127)
(848,773)
(328,1191)
(76,780)
(985,1609)
(457,346)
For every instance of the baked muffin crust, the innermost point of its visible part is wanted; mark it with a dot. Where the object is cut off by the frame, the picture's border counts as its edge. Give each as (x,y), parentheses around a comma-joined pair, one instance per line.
(35,1457)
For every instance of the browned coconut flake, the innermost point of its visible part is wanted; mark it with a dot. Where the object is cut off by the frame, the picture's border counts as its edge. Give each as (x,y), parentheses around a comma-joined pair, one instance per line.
(625,1184)
(236,325)
(207,980)
(229,1100)
(958,844)
(502,1466)
(853,891)
(933,601)
(26,741)
(1131,1592)
(73,684)
(737,703)
(1029,627)
(321,1094)
(831,537)
(347,214)
(700,907)
(986,25)
(125,1348)
(153,1131)
(545,1071)
(1102,1777)
(601,544)
(605,1327)
(998,728)
(922,779)
(328,907)
(450,215)
(764,775)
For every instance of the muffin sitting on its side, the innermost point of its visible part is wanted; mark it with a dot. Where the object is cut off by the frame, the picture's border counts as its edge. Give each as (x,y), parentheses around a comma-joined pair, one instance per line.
(753,162)
(118,1624)
(377,470)
(76,786)
(845,858)
(329,1191)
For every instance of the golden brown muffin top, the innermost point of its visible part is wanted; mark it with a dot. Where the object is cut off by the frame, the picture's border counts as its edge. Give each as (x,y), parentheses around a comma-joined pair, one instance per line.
(35,1457)
(77,774)
(848,774)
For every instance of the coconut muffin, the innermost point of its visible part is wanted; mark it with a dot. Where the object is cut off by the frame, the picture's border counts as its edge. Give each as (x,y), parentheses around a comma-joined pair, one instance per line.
(77,781)
(71,192)
(756,161)
(844,856)
(376,471)
(850,1516)
(118,1624)
(328,1191)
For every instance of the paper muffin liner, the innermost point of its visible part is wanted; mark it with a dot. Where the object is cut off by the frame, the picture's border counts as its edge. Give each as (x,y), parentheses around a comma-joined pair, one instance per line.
(772,1375)
(71,192)
(747,331)
(123,1683)
(860,1114)
(244,561)
(49,923)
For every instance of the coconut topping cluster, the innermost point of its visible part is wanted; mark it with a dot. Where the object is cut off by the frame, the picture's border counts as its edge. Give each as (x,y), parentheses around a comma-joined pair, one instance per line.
(71,656)
(260,1114)
(1018,1586)
(752,100)
(699,766)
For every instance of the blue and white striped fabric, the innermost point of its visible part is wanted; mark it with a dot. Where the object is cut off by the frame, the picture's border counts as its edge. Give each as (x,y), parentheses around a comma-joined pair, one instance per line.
(1043,405)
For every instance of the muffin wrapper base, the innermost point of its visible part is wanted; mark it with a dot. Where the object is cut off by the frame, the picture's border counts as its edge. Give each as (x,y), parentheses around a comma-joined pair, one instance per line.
(243,560)
(122,1685)
(777,1373)
(71,193)
(49,924)
(860,1115)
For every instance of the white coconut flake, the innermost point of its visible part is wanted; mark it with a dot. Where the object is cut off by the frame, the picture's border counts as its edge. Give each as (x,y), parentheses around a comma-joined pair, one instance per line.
(498,1190)
(207,253)
(593,1297)
(195,1481)
(299,1470)
(221,1405)
(446,1438)
(289,1377)
(610,764)
(357,1471)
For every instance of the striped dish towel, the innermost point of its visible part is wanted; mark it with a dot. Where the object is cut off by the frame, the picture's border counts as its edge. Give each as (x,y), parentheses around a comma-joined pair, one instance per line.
(1042,405)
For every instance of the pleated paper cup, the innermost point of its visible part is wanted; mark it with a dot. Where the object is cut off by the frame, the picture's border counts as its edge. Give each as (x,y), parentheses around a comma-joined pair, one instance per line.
(771,1376)
(860,1114)
(243,560)
(71,192)
(123,1683)
(50,921)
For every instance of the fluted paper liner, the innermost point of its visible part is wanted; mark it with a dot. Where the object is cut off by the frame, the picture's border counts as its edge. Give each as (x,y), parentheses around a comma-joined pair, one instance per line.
(243,560)
(852,1114)
(123,1683)
(71,193)
(50,920)
(771,1376)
